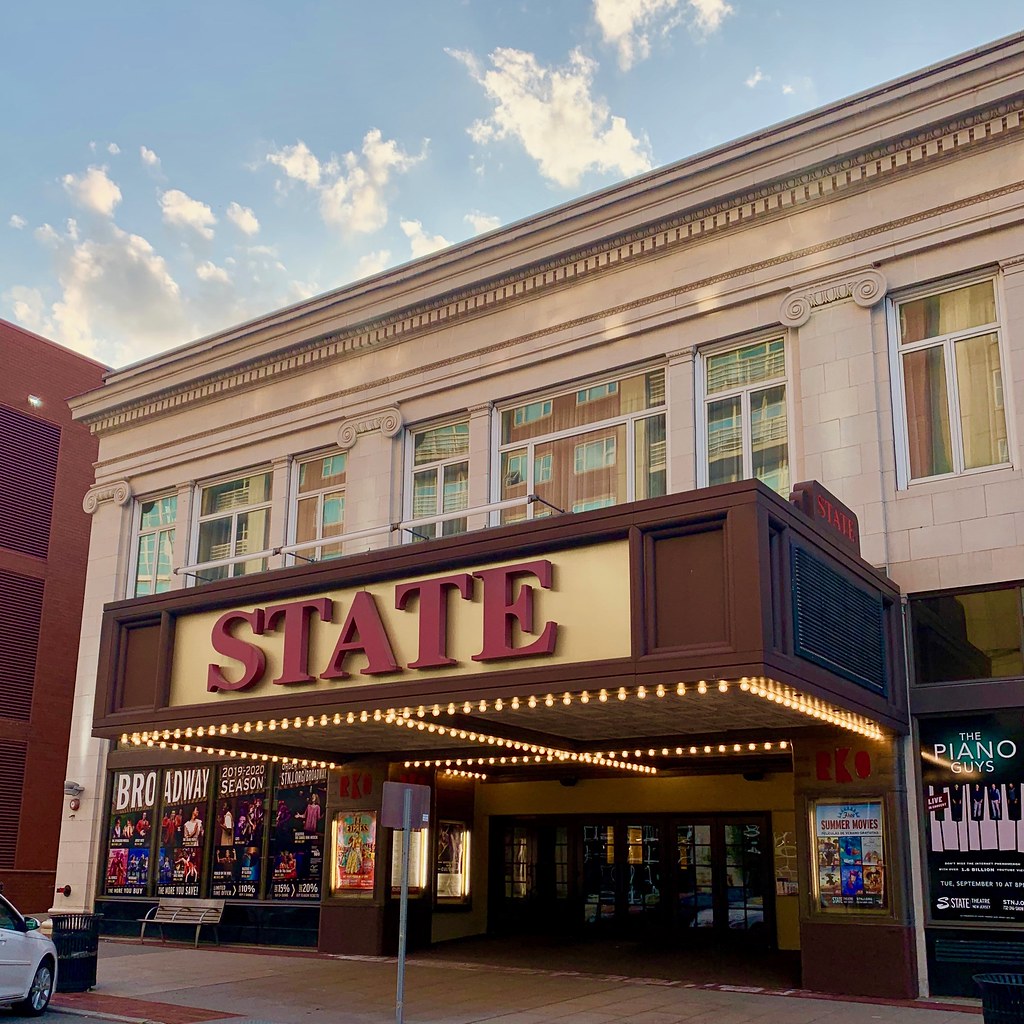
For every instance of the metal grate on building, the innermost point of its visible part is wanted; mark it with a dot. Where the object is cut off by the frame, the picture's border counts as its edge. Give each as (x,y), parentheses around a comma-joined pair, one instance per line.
(21,610)
(12,780)
(836,624)
(29,449)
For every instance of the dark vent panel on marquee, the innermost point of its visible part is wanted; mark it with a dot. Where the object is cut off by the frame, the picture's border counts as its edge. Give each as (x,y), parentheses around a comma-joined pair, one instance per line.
(837,624)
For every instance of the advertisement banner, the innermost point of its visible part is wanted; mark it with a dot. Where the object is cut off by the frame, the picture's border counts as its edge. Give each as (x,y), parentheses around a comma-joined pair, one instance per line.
(850,855)
(972,768)
(183,831)
(238,831)
(297,839)
(130,833)
(355,849)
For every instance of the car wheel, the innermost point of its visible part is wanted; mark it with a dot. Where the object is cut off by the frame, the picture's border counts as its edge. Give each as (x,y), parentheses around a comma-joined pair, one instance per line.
(38,997)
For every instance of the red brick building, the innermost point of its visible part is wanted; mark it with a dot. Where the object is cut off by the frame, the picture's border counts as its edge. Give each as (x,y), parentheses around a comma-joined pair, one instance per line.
(46,466)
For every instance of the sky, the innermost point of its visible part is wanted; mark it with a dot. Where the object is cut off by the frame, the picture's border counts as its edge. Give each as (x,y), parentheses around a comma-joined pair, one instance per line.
(170,170)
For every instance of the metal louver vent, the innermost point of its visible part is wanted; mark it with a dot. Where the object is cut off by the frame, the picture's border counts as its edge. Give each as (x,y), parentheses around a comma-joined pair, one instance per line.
(836,624)
(12,781)
(28,472)
(21,609)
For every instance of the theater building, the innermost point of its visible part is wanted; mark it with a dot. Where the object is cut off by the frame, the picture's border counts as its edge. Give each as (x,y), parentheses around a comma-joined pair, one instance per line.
(604,526)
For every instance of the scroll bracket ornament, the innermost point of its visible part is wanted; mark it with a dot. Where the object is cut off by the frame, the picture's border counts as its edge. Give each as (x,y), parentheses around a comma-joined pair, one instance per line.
(388,421)
(865,287)
(119,492)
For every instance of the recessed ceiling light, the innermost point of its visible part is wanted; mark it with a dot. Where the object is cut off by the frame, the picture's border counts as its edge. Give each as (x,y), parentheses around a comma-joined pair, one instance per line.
(35,401)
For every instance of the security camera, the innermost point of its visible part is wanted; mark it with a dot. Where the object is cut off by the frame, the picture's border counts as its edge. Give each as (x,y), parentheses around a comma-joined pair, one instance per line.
(73,788)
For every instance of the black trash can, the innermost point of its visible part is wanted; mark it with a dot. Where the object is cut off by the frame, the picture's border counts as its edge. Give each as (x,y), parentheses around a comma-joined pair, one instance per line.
(77,938)
(1002,997)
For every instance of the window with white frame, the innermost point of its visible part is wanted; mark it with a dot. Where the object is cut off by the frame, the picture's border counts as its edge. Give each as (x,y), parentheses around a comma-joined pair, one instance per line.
(234,520)
(319,513)
(154,552)
(745,420)
(440,479)
(947,362)
(588,446)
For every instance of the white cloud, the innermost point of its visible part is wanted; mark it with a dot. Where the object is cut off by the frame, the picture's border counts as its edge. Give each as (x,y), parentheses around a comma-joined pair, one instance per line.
(626,24)
(481,222)
(352,190)
(17,222)
(262,250)
(181,210)
(208,271)
(93,190)
(803,88)
(787,90)
(373,263)
(756,79)
(420,242)
(709,14)
(149,158)
(46,235)
(298,163)
(113,149)
(244,219)
(552,114)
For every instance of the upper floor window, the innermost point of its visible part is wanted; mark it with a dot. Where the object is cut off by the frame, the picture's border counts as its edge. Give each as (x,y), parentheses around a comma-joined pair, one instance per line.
(234,520)
(440,478)
(745,421)
(951,384)
(320,505)
(587,447)
(154,553)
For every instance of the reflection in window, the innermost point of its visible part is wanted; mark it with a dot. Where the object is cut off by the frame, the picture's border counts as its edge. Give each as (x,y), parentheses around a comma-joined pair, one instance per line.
(973,635)
(234,520)
(440,478)
(155,550)
(746,415)
(320,507)
(952,391)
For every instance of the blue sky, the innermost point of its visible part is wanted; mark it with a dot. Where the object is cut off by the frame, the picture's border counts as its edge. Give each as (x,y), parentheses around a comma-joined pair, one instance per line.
(170,170)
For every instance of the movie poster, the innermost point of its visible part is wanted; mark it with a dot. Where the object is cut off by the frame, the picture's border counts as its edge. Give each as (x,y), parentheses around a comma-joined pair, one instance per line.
(183,820)
(297,838)
(972,770)
(850,855)
(355,849)
(130,832)
(240,810)
(452,860)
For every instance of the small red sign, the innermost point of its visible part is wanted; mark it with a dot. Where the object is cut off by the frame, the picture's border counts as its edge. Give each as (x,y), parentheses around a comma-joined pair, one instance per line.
(828,512)
(938,802)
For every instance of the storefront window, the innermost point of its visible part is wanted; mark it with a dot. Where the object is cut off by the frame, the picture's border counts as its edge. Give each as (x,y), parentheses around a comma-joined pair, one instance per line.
(974,635)
(586,448)
(320,505)
(154,553)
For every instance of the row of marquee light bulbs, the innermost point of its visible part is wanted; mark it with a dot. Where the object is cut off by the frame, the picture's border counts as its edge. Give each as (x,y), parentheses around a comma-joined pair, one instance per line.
(526,753)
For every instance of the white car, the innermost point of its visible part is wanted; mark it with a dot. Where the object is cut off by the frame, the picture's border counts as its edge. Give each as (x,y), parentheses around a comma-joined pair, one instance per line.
(28,962)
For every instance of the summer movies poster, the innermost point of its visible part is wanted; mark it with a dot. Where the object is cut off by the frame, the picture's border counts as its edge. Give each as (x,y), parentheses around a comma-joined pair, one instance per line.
(355,851)
(130,831)
(297,836)
(238,830)
(183,831)
(850,855)
(972,770)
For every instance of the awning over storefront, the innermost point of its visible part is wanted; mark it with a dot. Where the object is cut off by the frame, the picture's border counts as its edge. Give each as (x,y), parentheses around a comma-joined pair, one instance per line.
(715,623)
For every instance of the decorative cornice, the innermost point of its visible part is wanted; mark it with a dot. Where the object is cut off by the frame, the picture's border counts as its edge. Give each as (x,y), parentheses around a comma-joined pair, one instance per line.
(865,287)
(119,492)
(387,421)
(1014,265)
(773,199)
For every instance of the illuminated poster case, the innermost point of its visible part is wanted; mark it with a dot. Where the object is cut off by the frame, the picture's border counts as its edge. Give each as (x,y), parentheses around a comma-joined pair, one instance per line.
(354,848)
(850,856)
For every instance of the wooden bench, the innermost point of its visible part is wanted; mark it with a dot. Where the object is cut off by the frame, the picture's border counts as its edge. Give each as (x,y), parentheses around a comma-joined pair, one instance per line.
(184,911)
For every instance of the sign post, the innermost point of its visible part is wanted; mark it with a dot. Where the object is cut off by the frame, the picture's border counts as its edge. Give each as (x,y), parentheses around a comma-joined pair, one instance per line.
(407,807)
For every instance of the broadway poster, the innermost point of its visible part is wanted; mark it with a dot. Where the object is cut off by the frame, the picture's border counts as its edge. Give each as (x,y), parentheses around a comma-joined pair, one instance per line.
(183,819)
(238,831)
(972,769)
(130,832)
(297,839)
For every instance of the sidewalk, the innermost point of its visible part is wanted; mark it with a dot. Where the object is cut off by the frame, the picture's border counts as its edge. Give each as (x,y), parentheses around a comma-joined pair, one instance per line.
(179,985)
